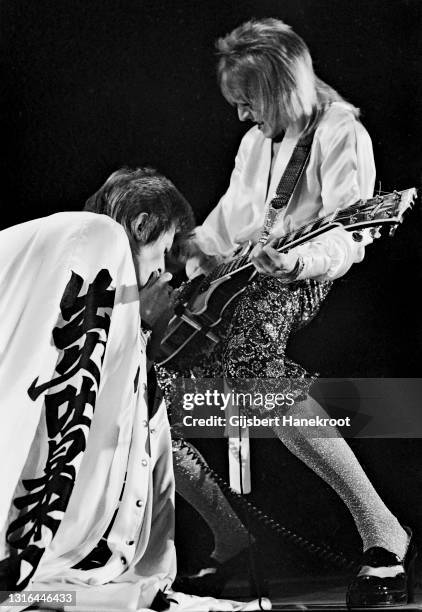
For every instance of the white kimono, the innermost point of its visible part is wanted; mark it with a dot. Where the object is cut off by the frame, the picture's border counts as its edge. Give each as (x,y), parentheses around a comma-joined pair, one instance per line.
(74,422)
(340,171)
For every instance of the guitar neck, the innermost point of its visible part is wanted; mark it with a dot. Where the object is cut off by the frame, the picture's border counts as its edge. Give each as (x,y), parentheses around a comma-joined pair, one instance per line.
(288,241)
(387,209)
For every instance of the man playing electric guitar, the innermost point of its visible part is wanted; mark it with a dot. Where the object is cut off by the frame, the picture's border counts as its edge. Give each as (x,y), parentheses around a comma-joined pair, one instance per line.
(265,70)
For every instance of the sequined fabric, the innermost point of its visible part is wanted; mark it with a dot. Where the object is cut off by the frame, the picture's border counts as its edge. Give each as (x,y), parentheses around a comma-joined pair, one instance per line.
(267,313)
(265,316)
(255,333)
(255,330)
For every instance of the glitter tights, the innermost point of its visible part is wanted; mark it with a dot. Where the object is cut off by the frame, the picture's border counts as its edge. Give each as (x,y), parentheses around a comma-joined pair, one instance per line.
(255,348)
(329,456)
(197,487)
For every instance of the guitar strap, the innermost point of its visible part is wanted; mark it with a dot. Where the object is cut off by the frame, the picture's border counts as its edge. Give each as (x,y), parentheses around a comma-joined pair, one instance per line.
(287,184)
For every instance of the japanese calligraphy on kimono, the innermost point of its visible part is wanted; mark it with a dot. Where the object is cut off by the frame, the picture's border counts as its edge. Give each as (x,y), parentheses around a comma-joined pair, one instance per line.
(80,456)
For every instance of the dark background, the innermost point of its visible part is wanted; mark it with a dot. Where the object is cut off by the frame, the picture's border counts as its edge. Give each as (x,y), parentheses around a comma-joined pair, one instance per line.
(89,86)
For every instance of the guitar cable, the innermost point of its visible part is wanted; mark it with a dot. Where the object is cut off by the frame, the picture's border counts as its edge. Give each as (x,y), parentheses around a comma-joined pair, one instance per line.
(322,551)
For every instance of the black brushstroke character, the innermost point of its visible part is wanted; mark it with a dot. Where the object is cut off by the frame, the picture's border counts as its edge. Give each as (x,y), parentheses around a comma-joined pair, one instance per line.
(82,341)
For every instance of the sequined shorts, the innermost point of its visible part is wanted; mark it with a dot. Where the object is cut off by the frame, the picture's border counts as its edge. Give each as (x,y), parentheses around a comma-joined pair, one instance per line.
(267,313)
(255,333)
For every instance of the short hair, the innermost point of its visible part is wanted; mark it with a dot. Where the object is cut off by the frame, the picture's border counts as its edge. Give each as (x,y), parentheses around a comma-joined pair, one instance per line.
(264,63)
(127,193)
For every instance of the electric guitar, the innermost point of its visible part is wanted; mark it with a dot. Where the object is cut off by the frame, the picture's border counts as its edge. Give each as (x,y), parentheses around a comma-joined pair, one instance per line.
(201,302)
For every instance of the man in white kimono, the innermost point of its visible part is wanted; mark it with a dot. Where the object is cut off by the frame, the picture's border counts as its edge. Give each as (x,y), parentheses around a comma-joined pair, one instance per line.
(87,487)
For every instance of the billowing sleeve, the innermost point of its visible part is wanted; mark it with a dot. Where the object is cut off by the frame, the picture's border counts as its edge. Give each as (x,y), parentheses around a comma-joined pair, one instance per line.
(346,174)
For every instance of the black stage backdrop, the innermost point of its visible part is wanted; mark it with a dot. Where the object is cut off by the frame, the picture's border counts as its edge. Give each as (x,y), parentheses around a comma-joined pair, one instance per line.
(90,86)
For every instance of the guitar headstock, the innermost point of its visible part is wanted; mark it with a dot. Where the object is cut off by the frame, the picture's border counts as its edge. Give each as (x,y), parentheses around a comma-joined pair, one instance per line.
(381,210)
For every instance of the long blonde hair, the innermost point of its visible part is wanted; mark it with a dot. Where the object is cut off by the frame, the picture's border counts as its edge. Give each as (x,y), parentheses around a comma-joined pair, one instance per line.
(265,64)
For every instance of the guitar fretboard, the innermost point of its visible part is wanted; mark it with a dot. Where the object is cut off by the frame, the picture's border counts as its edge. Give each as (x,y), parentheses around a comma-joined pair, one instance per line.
(387,208)
(280,244)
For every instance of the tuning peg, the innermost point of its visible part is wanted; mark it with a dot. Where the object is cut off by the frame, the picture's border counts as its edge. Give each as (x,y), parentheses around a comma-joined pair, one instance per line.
(392,230)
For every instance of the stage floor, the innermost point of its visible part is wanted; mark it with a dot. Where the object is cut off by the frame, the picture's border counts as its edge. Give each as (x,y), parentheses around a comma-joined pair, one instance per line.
(308,594)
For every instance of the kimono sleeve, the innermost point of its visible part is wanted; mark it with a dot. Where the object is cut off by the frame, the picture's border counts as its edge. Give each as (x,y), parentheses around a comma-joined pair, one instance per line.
(347,174)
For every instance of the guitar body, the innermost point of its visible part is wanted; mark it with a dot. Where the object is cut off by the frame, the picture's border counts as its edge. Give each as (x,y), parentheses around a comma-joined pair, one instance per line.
(195,328)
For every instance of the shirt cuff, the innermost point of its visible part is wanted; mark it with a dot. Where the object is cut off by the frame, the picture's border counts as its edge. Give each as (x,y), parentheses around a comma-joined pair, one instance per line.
(331,255)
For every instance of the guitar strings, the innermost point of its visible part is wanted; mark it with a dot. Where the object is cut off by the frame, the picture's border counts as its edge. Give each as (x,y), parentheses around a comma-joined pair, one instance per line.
(242,261)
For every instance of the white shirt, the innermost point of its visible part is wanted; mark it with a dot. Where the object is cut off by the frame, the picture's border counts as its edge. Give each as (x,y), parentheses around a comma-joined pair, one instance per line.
(340,171)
